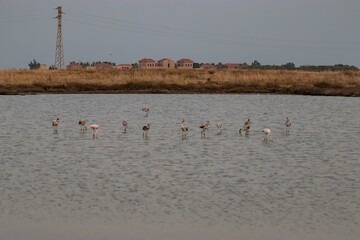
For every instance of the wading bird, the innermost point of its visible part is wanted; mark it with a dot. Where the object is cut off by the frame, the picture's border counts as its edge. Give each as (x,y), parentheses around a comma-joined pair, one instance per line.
(246,127)
(204,126)
(95,129)
(219,126)
(125,124)
(287,125)
(55,124)
(146,110)
(145,130)
(82,123)
(184,129)
(266,132)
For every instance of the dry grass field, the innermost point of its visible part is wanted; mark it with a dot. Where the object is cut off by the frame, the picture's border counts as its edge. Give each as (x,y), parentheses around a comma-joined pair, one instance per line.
(332,83)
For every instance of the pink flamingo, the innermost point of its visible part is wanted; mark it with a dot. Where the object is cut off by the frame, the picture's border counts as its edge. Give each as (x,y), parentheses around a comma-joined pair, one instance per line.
(183,128)
(204,126)
(55,124)
(95,129)
(145,128)
(266,132)
(125,124)
(219,126)
(82,123)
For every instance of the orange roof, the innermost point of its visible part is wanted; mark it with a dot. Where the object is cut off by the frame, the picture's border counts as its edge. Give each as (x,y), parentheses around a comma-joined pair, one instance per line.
(185,60)
(147,60)
(165,59)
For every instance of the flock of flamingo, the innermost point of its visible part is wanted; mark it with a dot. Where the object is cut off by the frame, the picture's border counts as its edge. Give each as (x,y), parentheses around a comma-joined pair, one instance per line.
(183,127)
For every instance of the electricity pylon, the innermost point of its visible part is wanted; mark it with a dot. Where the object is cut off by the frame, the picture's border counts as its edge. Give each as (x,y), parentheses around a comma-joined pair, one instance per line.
(59,55)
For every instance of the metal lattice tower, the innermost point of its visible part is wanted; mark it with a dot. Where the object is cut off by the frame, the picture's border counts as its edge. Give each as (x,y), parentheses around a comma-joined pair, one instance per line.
(59,55)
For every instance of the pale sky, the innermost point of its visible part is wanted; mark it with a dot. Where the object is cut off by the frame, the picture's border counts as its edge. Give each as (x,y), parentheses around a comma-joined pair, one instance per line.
(305,32)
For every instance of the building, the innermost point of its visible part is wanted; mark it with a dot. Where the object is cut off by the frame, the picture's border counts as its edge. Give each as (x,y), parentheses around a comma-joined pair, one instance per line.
(234,65)
(207,66)
(104,66)
(147,63)
(42,66)
(166,63)
(73,66)
(185,63)
(124,66)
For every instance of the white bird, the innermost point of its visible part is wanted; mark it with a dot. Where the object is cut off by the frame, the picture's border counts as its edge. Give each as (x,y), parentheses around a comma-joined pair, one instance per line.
(55,124)
(204,126)
(266,132)
(184,129)
(125,124)
(82,123)
(95,129)
(246,127)
(145,130)
(219,126)
(287,125)
(146,110)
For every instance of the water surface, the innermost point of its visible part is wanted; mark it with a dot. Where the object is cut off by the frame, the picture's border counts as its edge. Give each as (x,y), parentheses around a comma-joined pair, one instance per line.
(302,185)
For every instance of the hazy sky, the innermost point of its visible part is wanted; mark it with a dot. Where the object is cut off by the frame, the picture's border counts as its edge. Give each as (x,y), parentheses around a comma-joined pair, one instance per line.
(319,32)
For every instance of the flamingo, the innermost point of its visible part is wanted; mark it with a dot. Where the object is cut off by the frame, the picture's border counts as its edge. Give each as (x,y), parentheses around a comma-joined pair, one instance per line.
(287,125)
(82,123)
(219,126)
(95,129)
(246,127)
(183,128)
(55,124)
(125,124)
(145,130)
(146,110)
(204,126)
(266,132)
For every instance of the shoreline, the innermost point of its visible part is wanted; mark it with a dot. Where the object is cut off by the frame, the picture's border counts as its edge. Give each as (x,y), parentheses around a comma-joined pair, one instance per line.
(140,81)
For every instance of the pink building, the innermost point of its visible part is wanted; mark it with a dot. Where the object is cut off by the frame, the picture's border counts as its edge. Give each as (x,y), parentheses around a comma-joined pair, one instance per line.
(185,63)
(234,65)
(147,63)
(73,66)
(123,66)
(103,66)
(166,63)
(207,66)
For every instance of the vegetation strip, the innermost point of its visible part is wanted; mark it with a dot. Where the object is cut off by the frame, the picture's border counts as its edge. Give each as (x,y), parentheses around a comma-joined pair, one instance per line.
(329,83)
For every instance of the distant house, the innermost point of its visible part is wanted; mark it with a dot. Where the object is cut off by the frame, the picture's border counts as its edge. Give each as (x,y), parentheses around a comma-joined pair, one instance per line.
(166,63)
(207,66)
(185,63)
(147,63)
(123,66)
(42,67)
(73,66)
(234,65)
(104,66)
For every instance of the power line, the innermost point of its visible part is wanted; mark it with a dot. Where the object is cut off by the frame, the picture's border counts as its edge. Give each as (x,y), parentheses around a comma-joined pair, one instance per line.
(175,31)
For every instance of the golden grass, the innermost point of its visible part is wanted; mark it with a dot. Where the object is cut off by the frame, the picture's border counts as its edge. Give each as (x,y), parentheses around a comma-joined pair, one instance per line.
(345,83)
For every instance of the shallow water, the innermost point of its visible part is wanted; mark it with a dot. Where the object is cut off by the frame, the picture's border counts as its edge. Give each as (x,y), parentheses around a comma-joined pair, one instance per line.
(302,185)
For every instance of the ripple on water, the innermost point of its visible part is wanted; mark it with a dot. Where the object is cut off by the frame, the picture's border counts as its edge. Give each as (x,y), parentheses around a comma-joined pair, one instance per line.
(304,181)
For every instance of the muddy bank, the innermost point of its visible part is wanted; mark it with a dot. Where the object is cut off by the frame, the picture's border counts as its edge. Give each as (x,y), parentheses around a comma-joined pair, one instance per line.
(163,88)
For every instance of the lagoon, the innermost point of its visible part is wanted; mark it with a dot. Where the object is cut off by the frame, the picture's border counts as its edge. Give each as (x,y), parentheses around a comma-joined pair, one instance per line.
(302,185)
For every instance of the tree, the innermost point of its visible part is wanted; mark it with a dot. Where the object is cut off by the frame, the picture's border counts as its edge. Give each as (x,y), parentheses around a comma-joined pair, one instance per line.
(34,64)
(289,66)
(255,63)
